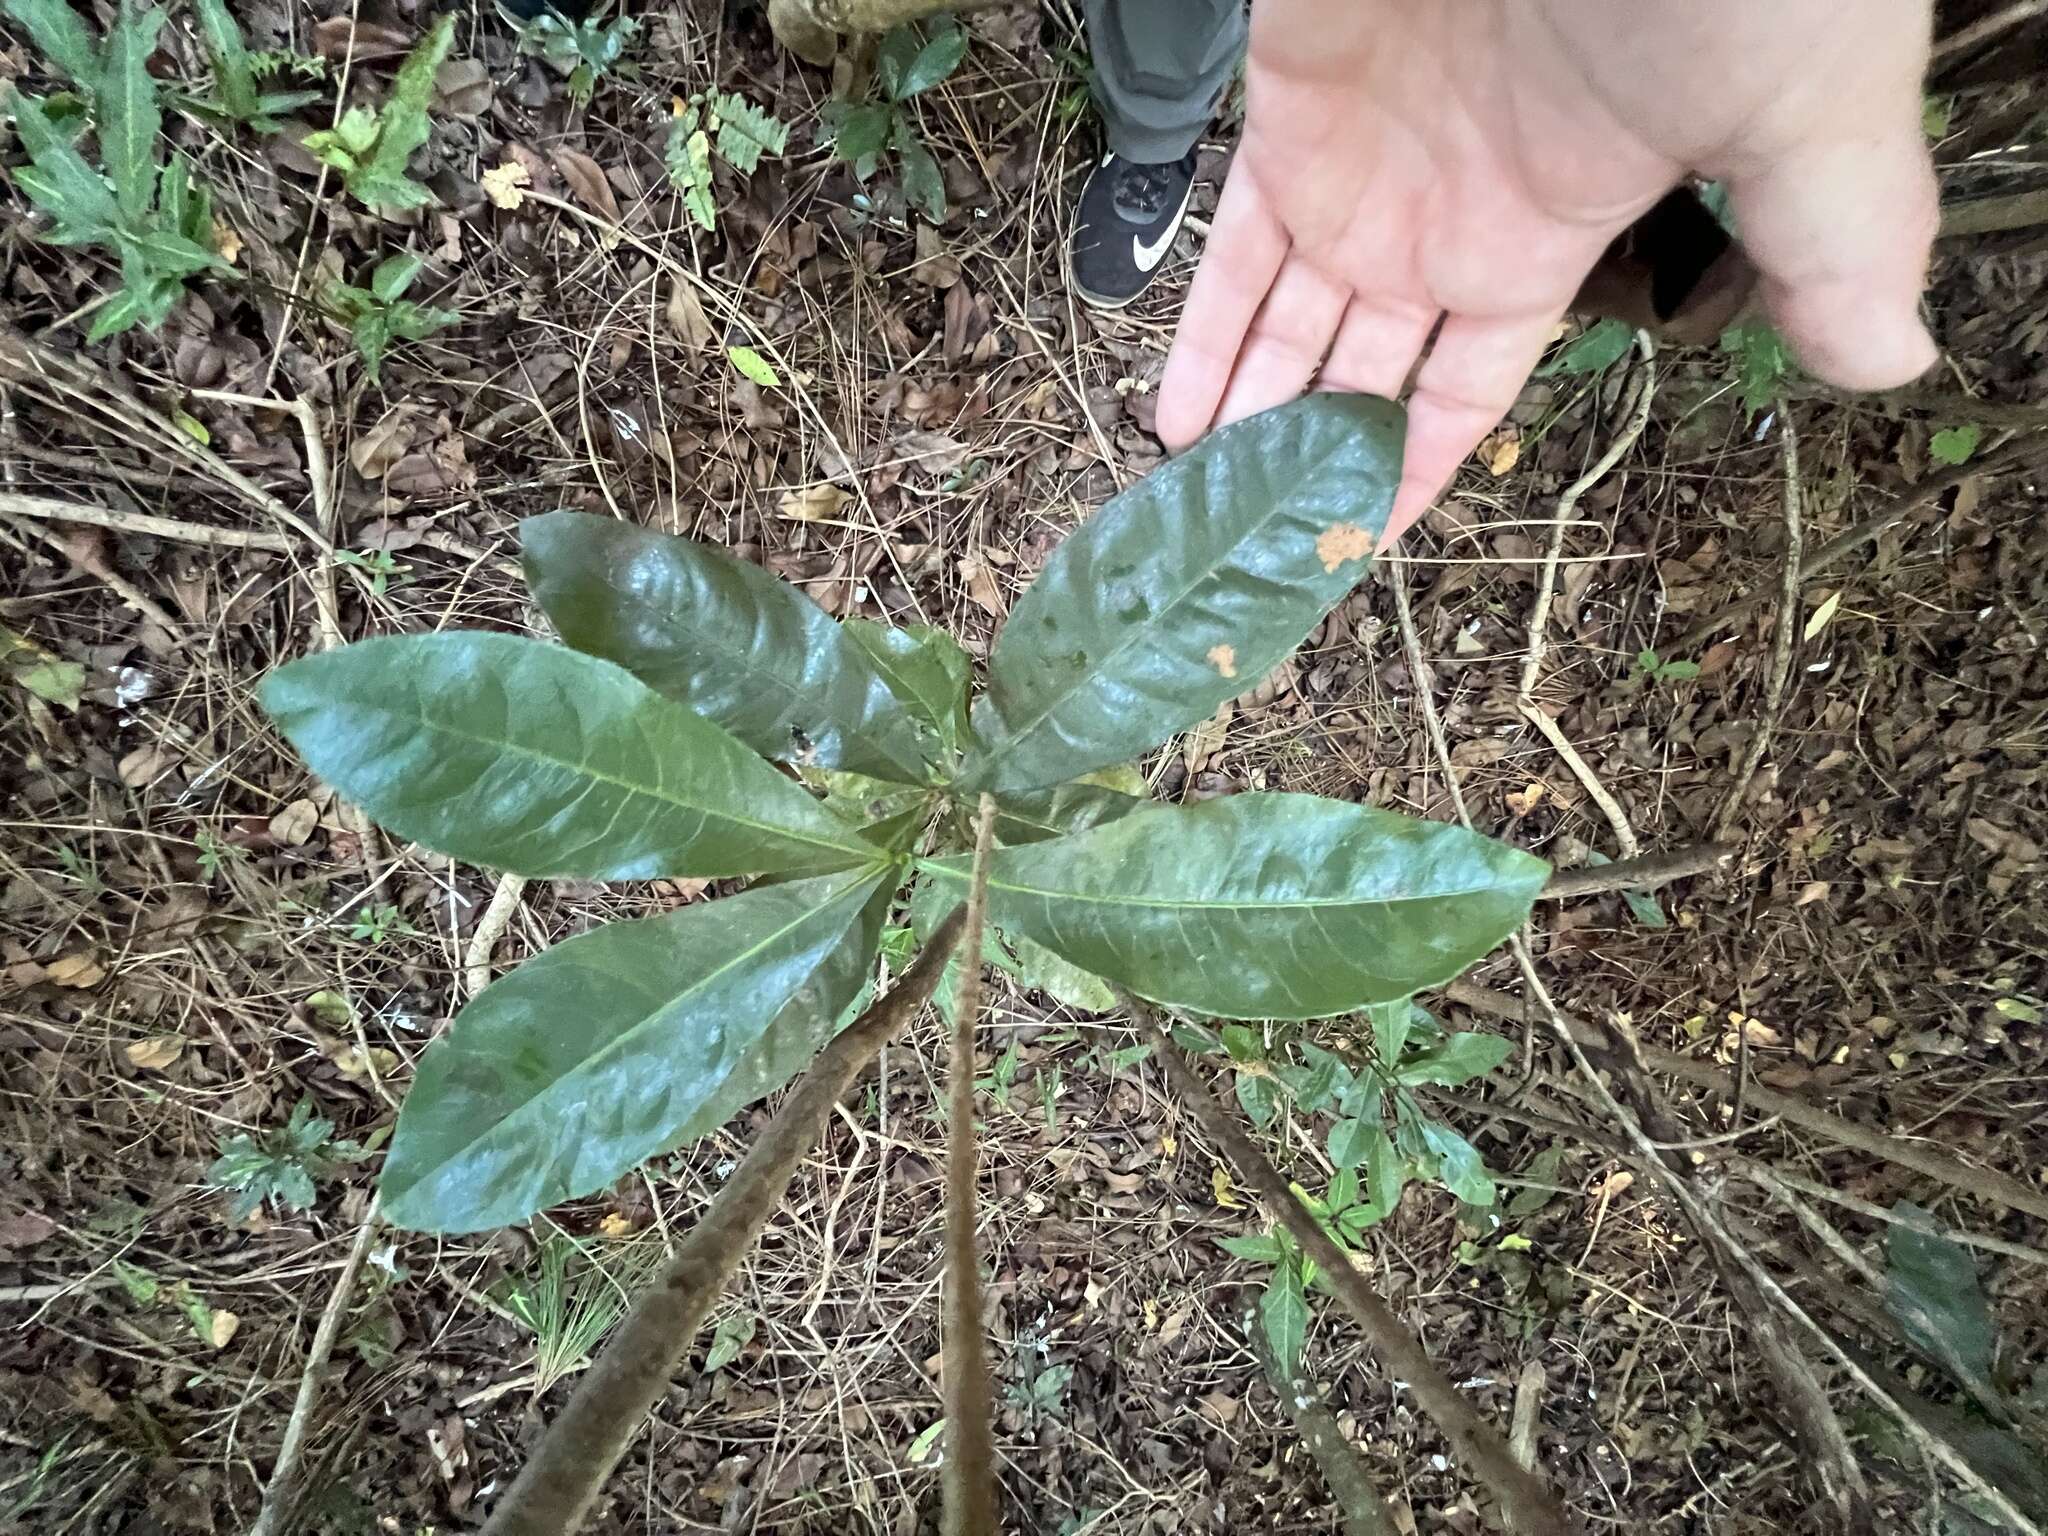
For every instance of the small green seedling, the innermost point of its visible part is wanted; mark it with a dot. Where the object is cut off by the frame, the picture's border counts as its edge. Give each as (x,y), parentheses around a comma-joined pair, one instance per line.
(239,76)
(911,60)
(373,925)
(724,123)
(578,1290)
(1594,350)
(379,567)
(377,316)
(1762,363)
(152,214)
(586,49)
(1654,667)
(371,149)
(1954,446)
(285,1166)
(1379,1138)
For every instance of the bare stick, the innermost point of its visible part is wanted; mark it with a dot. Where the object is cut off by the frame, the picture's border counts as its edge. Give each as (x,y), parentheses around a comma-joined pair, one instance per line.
(1910,1220)
(557,1486)
(1922,1157)
(1530,1505)
(1644,873)
(476,959)
(969,1475)
(54,511)
(1986,27)
(1643,387)
(1624,834)
(1787,627)
(283,1491)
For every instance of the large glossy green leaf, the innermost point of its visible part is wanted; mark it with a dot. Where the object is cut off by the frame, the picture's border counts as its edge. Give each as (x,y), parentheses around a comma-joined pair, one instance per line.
(1186,589)
(528,757)
(1931,1289)
(620,1044)
(925,668)
(726,638)
(1264,906)
(1039,814)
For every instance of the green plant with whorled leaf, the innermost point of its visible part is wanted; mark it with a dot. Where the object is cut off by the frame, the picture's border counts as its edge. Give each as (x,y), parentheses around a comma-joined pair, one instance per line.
(371,150)
(911,59)
(648,748)
(381,314)
(721,124)
(152,213)
(586,49)
(1379,1138)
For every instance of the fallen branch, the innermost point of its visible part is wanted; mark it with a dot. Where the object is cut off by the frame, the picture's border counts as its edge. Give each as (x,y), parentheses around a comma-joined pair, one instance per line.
(51,510)
(968,1475)
(1617,819)
(1921,1157)
(562,1479)
(1987,27)
(1644,873)
(283,1492)
(1530,1505)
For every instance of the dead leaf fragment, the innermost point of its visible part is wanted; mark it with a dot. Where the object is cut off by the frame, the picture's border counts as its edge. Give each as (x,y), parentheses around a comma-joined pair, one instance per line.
(505,185)
(586,179)
(1812,891)
(686,317)
(77,969)
(813,503)
(384,444)
(1340,542)
(221,1327)
(1521,802)
(1500,451)
(1221,1187)
(159,1053)
(981,584)
(1224,659)
(295,823)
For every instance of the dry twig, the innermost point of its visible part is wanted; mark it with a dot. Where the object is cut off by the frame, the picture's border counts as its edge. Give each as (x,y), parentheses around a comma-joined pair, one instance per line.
(476,958)
(1783,635)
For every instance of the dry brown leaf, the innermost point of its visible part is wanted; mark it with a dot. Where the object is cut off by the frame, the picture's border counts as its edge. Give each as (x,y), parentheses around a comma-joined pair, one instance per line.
(463,88)
(981,585)
(145,765)
(227,241)
(813,503)
(221,1327)
(1812,891)
(505,185)
(21,1228)
(77,969)
(586,179)
(1500,451)
(1521,802)
(384,444)
(295,823)
(686,317)
(159,1053)
(1205,740)
(338,38)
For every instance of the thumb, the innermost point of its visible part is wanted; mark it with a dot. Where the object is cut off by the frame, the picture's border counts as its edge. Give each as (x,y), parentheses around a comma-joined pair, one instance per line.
(1841,232)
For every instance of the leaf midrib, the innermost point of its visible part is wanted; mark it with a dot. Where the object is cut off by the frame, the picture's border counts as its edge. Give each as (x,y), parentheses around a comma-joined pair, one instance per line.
(587,1063)
(1012,889)
(535,754)
(1015,737)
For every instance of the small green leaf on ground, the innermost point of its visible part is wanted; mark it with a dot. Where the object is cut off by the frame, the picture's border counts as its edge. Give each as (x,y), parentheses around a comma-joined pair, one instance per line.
(753,365)
(1954,445)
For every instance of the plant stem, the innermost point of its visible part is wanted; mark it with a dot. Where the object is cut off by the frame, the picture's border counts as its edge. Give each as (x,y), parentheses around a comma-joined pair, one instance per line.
(556,1488)
(1529,1504)
(1644,873)
(970,1466)
(1364,1512)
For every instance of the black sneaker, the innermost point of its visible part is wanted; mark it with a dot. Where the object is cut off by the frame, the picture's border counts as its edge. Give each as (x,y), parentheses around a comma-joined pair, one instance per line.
(1129,216)
(521,14)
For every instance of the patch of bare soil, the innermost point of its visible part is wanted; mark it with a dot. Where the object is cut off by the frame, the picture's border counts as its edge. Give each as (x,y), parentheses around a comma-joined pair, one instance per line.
(195,938)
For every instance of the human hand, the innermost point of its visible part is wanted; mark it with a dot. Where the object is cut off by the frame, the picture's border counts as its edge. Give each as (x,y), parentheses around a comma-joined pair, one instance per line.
(1469,160)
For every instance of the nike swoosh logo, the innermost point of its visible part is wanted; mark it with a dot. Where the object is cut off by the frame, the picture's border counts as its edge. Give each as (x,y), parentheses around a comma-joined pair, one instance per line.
(1148,256)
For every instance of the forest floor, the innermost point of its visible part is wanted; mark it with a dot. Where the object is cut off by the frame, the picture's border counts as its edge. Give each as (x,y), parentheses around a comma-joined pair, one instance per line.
(195,938)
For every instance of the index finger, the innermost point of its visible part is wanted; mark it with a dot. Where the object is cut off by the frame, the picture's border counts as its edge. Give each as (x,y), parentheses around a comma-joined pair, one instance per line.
(1245,249)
